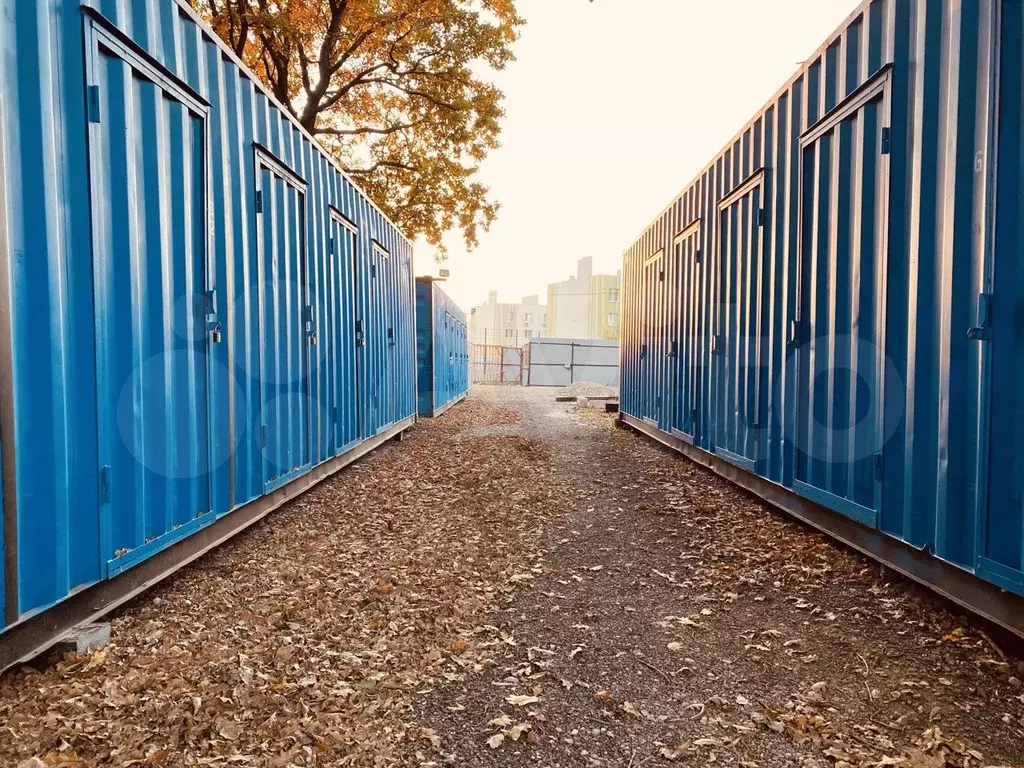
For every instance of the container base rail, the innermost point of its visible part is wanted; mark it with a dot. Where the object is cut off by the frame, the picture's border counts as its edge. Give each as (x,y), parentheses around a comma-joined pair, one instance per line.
(955,584)
(35,634)
(442,409)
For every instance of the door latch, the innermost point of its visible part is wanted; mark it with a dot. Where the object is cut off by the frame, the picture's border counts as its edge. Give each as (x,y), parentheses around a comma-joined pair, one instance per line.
(795,333)
(105,484)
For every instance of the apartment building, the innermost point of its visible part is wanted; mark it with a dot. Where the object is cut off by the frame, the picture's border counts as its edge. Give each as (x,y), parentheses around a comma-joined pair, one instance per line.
(510,324)
(585,306)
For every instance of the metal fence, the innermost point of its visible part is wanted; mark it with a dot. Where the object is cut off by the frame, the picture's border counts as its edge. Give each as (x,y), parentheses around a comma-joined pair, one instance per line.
(561,362)
(495,364)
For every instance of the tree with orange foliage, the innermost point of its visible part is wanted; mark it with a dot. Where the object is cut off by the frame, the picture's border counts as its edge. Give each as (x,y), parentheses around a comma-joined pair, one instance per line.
(398,90)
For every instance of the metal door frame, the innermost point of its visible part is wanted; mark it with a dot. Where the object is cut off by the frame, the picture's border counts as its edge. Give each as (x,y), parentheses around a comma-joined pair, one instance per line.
(690,231)
(877,86)
(265,160)
(651,306)
(100,33)
(755,181)
(348,229)
(985,566)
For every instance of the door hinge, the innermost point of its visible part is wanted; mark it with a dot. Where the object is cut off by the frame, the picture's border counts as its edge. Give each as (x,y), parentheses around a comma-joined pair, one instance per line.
(334,414)
(761,217)
(716,343)
(259,201)
(263,436)
(878,467)
(94,103)
(983,330)
(886,140)
(373,271)
(105,484)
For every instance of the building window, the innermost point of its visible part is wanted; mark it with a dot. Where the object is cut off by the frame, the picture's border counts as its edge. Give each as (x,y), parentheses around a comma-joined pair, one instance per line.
(508,333)
(528,318)
(511,317)
(613,295)
(613,320)
(529,334)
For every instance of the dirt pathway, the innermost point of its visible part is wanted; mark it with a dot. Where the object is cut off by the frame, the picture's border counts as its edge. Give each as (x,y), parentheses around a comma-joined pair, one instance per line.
(669,618)
(521,583)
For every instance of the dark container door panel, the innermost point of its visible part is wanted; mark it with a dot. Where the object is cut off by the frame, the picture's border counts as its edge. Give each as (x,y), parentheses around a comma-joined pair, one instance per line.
(685,328)
(652,339)
(736,343)
(389,286)
(147,160)
(342,344)
(840,394)
(376,341)
(1001,558)
(285,333)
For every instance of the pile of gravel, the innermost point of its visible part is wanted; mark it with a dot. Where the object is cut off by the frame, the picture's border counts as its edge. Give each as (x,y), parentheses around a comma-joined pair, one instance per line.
(588,389)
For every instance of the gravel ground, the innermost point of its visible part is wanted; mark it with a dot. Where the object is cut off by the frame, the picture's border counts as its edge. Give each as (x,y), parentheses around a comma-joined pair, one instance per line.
(520,583)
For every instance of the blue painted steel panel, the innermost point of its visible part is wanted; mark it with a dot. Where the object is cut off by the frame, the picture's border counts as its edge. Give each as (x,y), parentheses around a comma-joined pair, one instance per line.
(830,317)
(148,178)
(1001,514)
(442,348)
(203,305)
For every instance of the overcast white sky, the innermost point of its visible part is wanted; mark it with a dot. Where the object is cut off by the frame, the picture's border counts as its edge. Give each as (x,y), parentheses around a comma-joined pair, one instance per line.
(612,107)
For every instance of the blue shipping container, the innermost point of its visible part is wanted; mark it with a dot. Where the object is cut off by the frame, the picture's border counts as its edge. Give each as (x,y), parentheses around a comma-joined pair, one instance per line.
(442,349)
(201,314)
(828,314)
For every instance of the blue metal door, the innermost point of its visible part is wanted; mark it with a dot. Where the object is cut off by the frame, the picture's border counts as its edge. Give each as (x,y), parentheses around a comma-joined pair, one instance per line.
(999,326)
(684,300)
(736,343)
(377,335)
(342,346)
(844,221)
(286,322)
(147,166)
(653,342)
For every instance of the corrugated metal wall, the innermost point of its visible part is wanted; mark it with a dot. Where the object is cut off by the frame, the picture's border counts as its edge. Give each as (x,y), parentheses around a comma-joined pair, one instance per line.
(442,348)
(202,306)
(839,305)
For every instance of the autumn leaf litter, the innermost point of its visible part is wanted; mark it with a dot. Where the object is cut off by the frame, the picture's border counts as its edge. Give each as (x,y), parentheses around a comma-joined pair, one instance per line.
(520,583)
(305,640)
(671,619)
